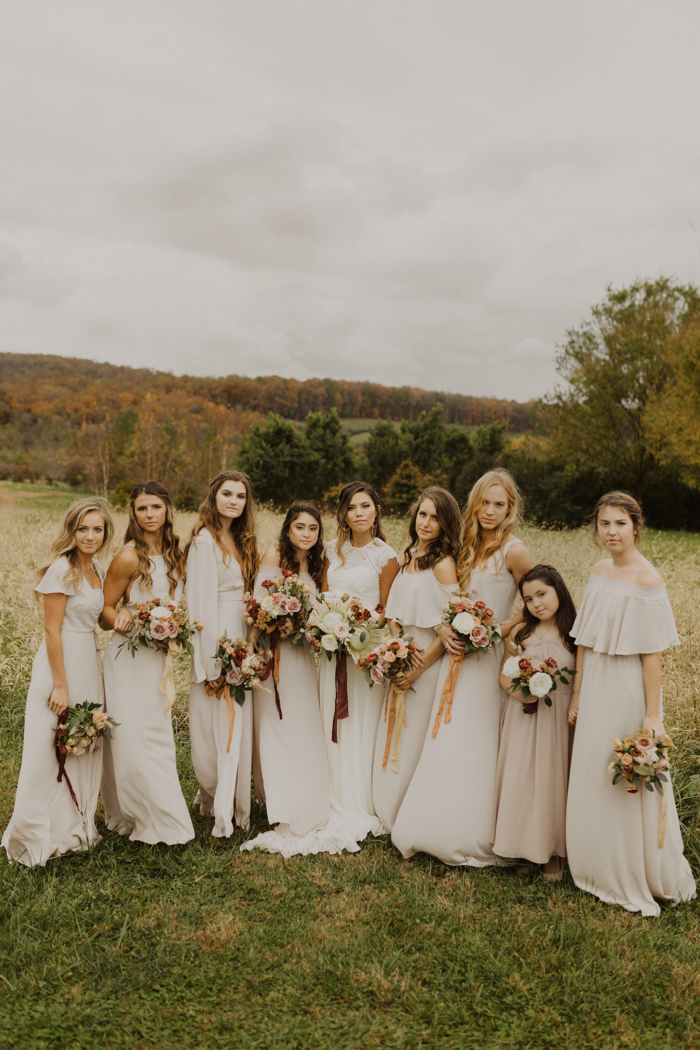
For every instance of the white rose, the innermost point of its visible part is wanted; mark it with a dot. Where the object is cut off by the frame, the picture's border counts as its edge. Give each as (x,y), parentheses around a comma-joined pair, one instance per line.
(540,684)
(159,613)
(511,668)
(463,623)
(267,604)
(329,643)
(342,631)
(331,621)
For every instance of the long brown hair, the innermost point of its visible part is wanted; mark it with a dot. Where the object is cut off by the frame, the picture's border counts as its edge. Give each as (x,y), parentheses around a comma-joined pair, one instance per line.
(170,542)
(288,552)
(472,538)
(344,532)
(242,528)
(446,544)
(564,616)
(625,502)
(64,541)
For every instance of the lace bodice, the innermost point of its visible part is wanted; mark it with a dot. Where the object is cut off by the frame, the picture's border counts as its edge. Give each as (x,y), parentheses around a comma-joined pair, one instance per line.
(359,574)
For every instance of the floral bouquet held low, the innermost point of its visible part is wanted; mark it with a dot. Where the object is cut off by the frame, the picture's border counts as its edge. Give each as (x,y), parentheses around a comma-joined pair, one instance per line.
(241,672)
(282,614)
(535,679)
(642,760)
(77,729)
(340,625)
(392,657)
(474,625)
(162,624)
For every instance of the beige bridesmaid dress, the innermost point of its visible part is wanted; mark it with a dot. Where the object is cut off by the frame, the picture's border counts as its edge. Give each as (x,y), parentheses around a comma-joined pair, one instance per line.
(533,768)
(46,822)
(215,596)
(612,836)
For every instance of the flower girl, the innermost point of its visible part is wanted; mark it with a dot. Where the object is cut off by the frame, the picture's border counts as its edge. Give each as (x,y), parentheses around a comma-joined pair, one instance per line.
(533,756)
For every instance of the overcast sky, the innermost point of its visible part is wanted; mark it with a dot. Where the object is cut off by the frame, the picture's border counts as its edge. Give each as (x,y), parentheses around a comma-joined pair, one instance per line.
(409,192)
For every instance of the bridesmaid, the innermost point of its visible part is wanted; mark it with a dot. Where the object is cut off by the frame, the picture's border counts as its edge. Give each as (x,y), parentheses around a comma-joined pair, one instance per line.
(140,786)
(363,565)
(292,751)
(222,560)
(427,578)
(533,756)
(624,622)
(46,822)
(448,810)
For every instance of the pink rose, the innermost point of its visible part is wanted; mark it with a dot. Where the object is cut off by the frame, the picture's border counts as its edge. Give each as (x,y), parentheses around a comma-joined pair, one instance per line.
(235,677)
(293,605)
(478,635)
(172,628)
(376,674)
(159,630)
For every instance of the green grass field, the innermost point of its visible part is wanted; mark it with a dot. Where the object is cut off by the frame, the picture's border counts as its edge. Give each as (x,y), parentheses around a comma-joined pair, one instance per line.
(203,947)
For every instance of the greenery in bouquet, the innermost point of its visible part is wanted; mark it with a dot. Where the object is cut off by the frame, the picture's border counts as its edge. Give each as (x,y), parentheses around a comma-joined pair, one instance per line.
(340,623)
(285,608)
(536,679)
(472,622)
(391,657)
(161,624)
(641,760)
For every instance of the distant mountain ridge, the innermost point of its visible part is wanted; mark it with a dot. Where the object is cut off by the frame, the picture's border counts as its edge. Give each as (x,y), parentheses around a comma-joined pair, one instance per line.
(44,384)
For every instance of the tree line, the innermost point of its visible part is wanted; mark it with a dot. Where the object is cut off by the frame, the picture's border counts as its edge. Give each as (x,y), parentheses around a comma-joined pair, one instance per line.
(628,417)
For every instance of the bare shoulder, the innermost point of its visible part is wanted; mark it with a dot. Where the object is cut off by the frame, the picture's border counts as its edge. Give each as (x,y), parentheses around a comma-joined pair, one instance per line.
(126,561)
(648,576)
(602,567)
(445,571)
(271,557)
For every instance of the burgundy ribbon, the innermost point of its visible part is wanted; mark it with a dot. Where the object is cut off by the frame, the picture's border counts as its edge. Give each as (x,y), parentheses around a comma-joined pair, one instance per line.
(274,649)
(61,753)
(342,709)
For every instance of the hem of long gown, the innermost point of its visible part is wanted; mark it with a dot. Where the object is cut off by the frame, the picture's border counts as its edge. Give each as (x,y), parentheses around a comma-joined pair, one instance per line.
(518,854)
(122,827)
(25,857)
(466,862)
(650,911)
(334,838)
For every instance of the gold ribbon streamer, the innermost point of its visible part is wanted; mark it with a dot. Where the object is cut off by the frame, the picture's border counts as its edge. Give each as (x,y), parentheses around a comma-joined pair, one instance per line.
(167,681)
(662,822)
(447,694)
(218,687)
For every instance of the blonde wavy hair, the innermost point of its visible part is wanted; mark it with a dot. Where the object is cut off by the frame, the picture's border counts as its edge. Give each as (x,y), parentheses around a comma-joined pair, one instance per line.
(64,542)
(170,542)
(242,529)
(473,550)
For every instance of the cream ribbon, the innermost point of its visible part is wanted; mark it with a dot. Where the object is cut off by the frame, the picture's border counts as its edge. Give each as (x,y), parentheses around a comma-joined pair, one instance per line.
(167,681)
(662,822)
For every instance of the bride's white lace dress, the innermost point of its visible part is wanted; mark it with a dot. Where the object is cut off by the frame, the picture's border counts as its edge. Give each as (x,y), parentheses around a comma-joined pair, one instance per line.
(350,760)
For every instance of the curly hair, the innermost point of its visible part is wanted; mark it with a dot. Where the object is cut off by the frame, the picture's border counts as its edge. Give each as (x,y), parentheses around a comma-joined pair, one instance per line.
(471,549)
(564,616)
(446,544)
(624,501)
(345,497)
(64,541)
(242,528)
(170,542)
(289,558)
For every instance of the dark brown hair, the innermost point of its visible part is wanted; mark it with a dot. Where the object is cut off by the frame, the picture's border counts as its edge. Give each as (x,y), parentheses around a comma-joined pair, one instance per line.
(170,543)
(625,502)
(289,558)
(344,498)
(564,616)
(242,528)
(446,544)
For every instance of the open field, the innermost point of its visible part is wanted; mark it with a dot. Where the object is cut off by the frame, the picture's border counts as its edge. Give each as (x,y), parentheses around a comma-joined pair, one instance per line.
(202,947)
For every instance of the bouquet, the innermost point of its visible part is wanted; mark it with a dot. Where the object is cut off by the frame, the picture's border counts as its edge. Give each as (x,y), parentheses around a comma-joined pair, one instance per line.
(282,613)
(162,624)
(285,608)
(536,679)
(77,728)
(340,624)
(474,624)
(241,672)
(642,760)
(393,656)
